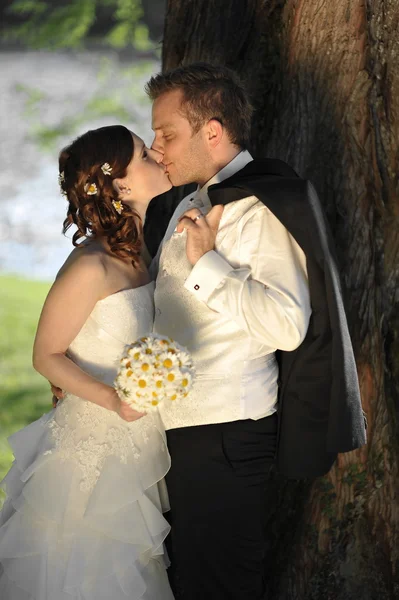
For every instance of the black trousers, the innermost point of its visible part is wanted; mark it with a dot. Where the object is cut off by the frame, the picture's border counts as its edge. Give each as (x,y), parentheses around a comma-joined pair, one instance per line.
(217,490)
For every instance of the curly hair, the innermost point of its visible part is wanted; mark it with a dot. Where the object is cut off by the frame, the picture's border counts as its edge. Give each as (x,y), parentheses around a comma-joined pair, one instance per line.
(94,214)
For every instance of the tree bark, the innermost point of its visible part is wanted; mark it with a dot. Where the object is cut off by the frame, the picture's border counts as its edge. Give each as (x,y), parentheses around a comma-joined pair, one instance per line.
(324,78)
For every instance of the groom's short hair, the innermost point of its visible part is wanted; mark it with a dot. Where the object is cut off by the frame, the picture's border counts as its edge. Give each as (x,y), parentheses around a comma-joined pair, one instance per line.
(209,92)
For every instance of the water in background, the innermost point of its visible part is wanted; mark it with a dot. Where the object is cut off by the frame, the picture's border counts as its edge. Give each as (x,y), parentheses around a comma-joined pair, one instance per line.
(40,90)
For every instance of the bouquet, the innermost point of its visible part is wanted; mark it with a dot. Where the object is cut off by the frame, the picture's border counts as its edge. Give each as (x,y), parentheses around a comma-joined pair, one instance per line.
(153,370)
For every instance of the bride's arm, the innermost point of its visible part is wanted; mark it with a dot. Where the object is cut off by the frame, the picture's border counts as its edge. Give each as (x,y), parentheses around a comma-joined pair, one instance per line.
(67,307)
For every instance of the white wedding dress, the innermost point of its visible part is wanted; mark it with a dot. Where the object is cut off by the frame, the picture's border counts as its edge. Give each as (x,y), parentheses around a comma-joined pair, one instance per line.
(85,495)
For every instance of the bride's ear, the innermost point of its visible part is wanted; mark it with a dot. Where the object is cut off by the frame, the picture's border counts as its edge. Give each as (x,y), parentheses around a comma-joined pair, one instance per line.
(121,188)
(116,184)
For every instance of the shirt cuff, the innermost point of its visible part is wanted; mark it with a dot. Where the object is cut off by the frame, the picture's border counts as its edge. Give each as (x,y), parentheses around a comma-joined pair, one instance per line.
(207,274)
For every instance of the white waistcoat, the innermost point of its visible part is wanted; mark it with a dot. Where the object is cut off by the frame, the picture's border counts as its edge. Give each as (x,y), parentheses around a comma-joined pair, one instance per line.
(229,384)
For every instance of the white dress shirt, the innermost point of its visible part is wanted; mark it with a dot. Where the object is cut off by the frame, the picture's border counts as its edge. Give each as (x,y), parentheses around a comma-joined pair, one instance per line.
(233,309)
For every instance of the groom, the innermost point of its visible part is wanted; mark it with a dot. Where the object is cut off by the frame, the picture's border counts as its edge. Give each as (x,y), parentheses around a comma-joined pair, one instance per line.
(246,281)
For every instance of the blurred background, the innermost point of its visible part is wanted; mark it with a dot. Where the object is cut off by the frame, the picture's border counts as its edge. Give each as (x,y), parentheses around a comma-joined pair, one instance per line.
(65,67)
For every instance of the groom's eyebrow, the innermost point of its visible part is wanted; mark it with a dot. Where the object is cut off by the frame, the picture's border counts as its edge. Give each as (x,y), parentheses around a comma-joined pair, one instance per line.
(163,126)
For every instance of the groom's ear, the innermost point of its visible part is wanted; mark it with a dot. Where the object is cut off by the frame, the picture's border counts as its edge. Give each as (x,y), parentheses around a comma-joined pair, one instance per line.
(214,132)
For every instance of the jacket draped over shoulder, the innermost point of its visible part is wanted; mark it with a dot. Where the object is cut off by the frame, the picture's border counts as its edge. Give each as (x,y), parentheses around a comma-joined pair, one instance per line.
(320,412)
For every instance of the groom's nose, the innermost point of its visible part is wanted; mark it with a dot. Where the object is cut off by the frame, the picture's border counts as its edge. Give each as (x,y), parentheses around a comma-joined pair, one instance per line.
(156,155)
(157,146)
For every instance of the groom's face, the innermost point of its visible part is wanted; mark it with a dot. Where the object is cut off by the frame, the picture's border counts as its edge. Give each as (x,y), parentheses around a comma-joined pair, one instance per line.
(185,153)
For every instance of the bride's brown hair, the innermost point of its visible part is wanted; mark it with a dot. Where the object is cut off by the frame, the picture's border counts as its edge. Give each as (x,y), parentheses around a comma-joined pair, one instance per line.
(95,215)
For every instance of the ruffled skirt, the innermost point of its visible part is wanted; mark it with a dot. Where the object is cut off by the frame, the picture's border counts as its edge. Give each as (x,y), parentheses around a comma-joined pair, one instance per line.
(83,516)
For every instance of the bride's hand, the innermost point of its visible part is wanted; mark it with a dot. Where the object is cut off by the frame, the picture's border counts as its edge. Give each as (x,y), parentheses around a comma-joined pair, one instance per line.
(126,412)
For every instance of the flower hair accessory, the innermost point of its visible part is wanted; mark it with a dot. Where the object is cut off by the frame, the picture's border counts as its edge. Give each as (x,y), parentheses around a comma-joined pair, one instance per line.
(106,169)
(90,189)
(118,206)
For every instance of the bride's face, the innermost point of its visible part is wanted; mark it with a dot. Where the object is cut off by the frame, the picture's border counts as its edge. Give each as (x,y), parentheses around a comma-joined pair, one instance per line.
(145,175)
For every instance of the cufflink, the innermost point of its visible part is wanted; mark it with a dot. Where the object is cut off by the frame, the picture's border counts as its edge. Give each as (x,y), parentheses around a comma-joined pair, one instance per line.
(196,287)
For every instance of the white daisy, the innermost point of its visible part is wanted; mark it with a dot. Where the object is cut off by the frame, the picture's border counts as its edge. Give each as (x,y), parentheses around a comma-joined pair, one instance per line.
(106,169)
(90,189)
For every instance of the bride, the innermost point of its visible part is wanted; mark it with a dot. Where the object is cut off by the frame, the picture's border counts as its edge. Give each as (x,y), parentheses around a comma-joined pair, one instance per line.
(85,494)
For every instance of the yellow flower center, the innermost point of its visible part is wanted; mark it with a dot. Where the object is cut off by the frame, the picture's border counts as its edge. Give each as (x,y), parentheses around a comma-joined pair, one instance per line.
(155,394)
(154,402)
(159,384)
(167,363)
(136,356)
(148,351)
(145,366)
(129,373)
(128,365)
(171,377)
(173,397)
(142,383)
(184,382)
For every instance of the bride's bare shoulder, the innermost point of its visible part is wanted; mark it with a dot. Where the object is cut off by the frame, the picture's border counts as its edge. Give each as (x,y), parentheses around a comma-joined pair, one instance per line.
(90,257)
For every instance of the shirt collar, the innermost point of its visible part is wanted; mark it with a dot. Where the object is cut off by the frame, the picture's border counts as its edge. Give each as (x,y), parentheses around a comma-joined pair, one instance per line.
(238,163)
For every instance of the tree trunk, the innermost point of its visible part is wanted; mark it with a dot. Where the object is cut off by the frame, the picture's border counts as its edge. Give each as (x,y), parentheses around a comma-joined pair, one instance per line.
(324,77)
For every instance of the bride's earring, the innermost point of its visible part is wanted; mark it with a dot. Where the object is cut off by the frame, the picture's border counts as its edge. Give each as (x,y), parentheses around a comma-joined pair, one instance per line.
(125,190)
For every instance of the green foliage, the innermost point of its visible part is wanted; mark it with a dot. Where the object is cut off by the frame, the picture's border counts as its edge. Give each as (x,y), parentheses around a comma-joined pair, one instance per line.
(127,29)
(104,106)
(106,101)
(52,27)
(68,26)
(24,394)
(33,99)
(327,497)
(22,7)
(141,41)
(357,477)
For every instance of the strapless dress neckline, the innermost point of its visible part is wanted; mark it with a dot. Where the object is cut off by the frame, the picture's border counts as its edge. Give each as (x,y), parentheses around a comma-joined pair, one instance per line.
(128,290)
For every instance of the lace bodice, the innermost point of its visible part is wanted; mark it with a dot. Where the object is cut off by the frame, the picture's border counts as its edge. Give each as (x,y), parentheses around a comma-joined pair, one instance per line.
(86,491)
(83,430)
(116,320)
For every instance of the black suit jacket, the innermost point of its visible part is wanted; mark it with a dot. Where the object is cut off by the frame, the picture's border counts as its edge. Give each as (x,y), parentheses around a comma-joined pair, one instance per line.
(319,401)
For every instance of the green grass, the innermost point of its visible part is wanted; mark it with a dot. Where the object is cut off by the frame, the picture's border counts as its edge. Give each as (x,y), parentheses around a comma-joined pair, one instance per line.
(24,394)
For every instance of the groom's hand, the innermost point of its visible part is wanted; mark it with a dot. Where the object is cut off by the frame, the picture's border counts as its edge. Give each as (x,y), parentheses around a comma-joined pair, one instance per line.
(58,394)
(201,231)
